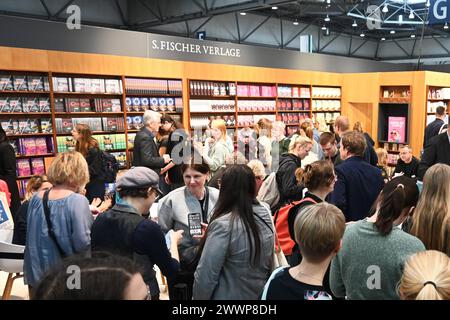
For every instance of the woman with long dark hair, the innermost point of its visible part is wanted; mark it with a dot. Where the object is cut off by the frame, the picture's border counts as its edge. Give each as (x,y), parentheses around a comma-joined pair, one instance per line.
(89,148)
(8,170)
(236,251)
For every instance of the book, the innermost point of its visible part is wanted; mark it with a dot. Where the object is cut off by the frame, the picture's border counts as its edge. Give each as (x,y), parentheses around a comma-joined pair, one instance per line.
(23,167)
(44,105)
(61,84)
(36,83)
(37,166)
(70,143)
(59,105)
(72,105)
(41,145)
(30,105)
(20,83)
(85,105)
(5,104)
(67,125)
(6,82)
(116,105)
(396,129)
(16,105)
(106,105)
(108,142)
(29,146)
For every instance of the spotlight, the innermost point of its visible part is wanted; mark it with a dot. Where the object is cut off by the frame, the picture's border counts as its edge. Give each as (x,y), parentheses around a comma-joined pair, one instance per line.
(324,28)
(354,24)
(327,18)
(427,4)
(392,31)
(413,36)
(362,35)
(382,39)
(411,15)
(274,8)
(385,9)
(243,13)
(295,23)
(446,26)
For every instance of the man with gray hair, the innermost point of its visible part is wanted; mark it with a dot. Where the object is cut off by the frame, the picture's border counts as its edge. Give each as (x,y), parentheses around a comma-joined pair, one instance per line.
(145,153)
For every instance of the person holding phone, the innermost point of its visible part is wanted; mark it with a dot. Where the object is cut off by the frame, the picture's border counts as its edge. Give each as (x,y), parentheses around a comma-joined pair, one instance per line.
(183,209)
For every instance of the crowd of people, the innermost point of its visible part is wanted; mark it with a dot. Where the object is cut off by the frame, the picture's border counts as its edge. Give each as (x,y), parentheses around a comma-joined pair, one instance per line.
(348,228)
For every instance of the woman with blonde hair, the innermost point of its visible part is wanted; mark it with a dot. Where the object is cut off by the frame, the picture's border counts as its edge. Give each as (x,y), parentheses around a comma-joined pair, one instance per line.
(431,219)
(59,219)
(264,142)
(89,148)
(382,164)
(216,148)
(426,276)
(259,171)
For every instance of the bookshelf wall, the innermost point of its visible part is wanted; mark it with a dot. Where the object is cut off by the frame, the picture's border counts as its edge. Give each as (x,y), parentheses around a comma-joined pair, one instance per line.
(393,120)
(242,104)
(436,97)
(38,111)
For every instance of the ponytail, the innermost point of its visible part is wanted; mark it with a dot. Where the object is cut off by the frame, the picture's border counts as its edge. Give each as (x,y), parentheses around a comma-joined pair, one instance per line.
(399,194)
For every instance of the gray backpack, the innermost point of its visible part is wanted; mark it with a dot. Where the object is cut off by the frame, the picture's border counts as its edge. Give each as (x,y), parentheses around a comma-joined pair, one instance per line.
(269,192)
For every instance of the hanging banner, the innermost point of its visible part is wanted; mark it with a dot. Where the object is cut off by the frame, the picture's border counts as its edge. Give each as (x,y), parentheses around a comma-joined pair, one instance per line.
(438,12)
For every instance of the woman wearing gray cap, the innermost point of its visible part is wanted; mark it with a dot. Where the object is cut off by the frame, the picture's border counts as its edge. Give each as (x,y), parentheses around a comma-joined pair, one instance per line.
(123,229)
(173,211)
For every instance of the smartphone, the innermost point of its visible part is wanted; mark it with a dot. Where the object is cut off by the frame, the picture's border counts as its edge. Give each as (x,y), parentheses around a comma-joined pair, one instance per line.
(195,224)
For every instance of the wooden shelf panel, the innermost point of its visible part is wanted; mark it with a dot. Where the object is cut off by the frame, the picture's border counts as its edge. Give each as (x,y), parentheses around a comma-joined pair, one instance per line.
(256,98)
(303,98)
(25,135)
(35,155)
(323,98)
(87,114)
(211,112)
(165,112)
(4,92)
(201,97)
(87,94)
(257,112)
(154,95)
(328,111)
(395,100)
(27,114)
(437,99)
(293,111)
(93,132)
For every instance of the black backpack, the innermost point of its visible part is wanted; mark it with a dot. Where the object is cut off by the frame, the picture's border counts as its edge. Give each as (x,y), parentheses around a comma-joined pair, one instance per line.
(109,167)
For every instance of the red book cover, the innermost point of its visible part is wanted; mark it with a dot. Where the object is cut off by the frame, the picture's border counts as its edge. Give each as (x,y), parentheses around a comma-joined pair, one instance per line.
(396,129)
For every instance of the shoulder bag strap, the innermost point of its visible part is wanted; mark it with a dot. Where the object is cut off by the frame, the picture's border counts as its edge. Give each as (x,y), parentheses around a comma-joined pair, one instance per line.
(51,233)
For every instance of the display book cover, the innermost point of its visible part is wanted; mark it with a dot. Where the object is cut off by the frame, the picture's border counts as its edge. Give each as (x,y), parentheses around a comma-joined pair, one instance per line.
(396,129)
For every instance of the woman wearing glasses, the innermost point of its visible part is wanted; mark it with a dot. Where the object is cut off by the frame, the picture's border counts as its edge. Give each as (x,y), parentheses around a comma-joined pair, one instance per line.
(173,211)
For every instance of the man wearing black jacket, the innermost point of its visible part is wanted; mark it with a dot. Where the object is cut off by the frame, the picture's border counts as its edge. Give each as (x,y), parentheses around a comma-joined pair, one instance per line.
(436,151)
(287,184)
(342,125)
(434,127)
(145,152)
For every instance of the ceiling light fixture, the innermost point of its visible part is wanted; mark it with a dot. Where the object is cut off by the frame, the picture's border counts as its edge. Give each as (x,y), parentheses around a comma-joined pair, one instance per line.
(382,39)
(295,23)
(362,35)
(392,31)
(385,9)
(274,8)
(327,18)
(411,15)
(413,36)
(427,4)
(354,24)
(446,26)
(243,13)
(324,28)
